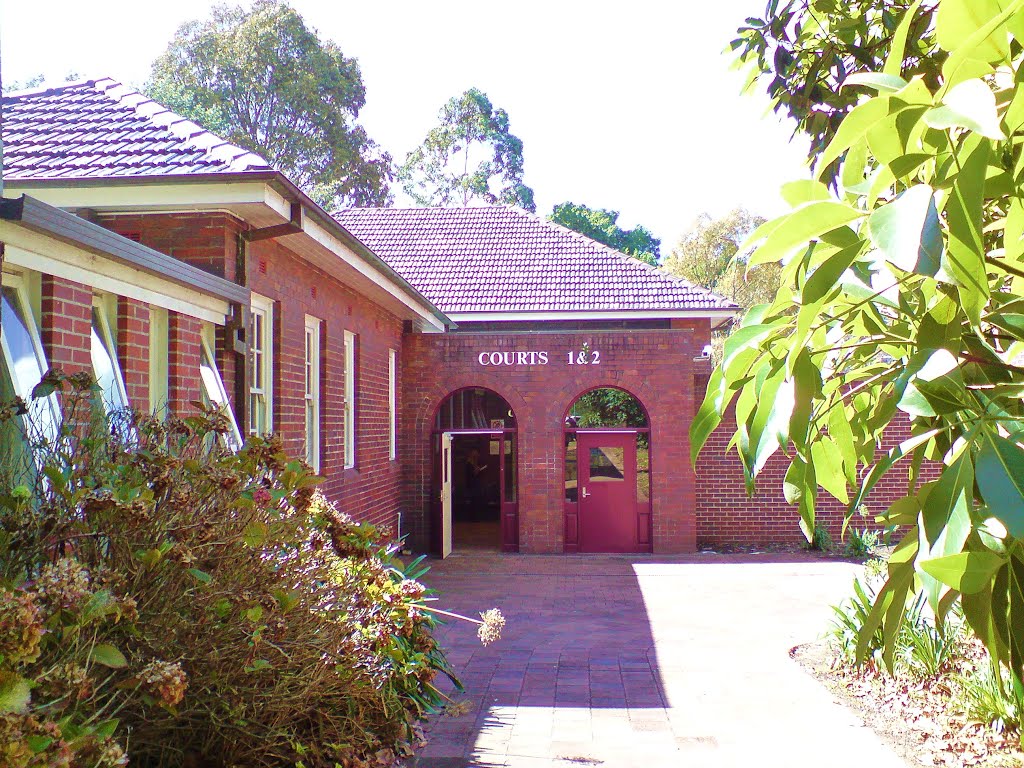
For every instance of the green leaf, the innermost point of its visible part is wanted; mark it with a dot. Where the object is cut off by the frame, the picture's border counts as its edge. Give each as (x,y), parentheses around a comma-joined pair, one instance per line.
(959,24)
(971,105)
(255,534)
(880,82)
(44,388)
(804,191)
(253,614)
(908,232)
(828,468)
(709,416)
(15,693)
(807,223)
(854,127)
(963,260)
(894,61)
(966,572)
(1000,473)
(200,576)
(107,728)
(826,276)
(108,656)
(38,743)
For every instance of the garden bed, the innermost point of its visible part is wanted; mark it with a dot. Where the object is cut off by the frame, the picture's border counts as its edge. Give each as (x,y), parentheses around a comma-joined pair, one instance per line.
(919,718)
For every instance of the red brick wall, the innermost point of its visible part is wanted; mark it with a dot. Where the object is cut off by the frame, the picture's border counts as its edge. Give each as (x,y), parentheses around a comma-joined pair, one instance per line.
(656,366)
(205,240)
(727,515)
(183,357)
(370,491)
(133,350)
(66,324)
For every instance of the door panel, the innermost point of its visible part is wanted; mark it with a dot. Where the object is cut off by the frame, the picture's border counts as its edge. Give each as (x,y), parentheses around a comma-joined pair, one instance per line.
(446,494)
(607,492)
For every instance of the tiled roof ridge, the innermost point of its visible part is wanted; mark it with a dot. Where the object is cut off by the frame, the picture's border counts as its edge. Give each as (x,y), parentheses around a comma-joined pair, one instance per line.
(632,260)
(217,149)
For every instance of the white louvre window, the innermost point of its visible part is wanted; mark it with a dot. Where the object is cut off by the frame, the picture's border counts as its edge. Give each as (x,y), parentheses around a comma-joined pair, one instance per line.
(214,392)
(261,377)
(23,353)
(104,355)
(312,393)
(350,400)
(393,404)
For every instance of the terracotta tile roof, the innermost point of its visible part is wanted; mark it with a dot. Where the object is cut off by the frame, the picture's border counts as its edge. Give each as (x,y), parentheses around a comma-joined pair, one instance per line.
(504,259)
(102,129)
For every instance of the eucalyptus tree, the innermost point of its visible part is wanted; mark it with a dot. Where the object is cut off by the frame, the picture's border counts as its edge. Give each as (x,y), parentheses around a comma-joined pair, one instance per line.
(470,155)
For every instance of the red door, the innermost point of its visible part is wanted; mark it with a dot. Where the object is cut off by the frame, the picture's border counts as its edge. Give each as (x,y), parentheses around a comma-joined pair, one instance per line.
(607,492)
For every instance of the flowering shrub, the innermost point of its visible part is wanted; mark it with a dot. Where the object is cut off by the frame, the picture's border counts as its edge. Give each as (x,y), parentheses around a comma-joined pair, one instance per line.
(167,600)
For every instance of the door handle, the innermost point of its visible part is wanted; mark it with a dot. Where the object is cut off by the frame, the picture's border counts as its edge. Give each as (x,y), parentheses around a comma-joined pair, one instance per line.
(585,493)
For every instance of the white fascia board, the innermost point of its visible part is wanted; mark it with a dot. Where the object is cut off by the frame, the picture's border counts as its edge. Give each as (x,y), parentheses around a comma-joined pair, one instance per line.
(508,317)
(155,196)
(322,236)
(32,250)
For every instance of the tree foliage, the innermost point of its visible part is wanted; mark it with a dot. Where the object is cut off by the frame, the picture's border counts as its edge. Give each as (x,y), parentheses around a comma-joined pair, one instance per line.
(709,255)
(262,79)
(471,155)
(902,297)
(602,225)
(804,52)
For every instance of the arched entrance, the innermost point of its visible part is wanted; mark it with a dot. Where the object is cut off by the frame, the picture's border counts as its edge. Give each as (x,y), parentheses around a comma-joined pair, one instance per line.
(475,472)
(607,473)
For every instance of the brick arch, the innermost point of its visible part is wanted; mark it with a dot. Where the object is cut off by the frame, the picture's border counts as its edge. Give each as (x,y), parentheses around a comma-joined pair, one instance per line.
(635,386)
(581,393)
(431,400)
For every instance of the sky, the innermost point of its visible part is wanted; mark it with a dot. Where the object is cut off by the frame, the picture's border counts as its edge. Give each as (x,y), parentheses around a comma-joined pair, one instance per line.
(629,106)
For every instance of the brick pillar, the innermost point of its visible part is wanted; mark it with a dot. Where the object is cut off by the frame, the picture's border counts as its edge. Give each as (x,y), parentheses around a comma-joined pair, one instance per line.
(67,324)
(183,362)
(133,350)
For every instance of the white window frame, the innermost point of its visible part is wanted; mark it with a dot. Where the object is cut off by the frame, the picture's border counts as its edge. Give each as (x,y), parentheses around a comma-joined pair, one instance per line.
(101,304)
(23,389)
(263,357)
(350,400)
(393,404)
(311,392)
(159,351)
(214,390)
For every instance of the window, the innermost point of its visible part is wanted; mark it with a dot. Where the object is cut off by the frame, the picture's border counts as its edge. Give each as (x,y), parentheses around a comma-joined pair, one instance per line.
(312,393)
(104,355)
(214,393)
(393,402)
(158,351)
(23,355)
(261,378)
(350,400)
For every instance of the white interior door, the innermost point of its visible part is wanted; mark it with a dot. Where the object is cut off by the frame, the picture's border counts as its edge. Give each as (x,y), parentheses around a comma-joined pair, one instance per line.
(446,494)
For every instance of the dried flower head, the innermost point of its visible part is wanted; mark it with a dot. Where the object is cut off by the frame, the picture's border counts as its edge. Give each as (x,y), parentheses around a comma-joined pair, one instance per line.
(64,584)
(261,498)
(411,588)
(166,681)
(493,623)
(21,627)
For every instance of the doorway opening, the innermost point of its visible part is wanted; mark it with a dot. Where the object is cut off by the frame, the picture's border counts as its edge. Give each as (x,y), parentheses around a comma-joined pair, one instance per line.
(475,473)
(607,497)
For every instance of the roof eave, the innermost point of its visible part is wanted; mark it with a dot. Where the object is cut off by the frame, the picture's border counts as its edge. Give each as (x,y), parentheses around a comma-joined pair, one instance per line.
(41,217)
(275,179)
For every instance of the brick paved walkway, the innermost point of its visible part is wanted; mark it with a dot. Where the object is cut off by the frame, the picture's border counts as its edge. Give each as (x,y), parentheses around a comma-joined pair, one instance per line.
(643,662)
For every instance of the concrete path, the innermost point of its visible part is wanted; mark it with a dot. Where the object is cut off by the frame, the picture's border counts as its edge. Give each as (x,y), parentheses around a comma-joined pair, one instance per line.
(644,662)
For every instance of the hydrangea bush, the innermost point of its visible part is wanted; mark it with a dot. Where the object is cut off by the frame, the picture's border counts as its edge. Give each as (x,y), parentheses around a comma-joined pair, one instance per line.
(167,600)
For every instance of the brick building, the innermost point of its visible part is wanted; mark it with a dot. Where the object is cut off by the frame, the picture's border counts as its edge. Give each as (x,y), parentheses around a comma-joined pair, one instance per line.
(475,376)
